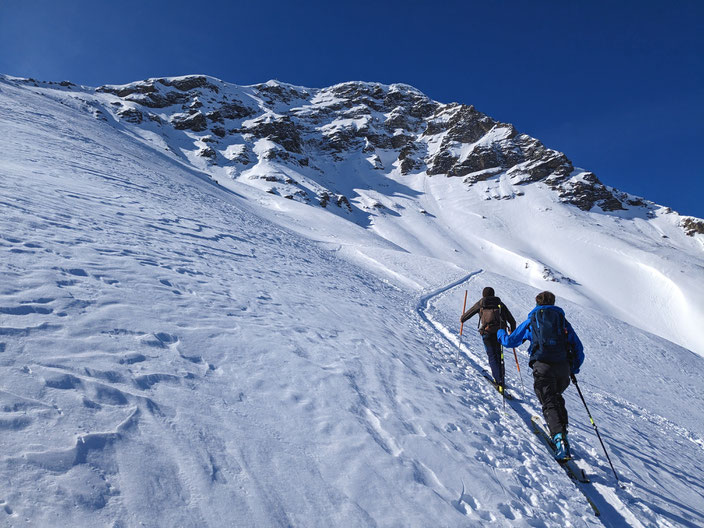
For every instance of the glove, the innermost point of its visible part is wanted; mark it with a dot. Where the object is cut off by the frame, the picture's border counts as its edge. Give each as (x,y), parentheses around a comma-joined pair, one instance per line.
(575,371)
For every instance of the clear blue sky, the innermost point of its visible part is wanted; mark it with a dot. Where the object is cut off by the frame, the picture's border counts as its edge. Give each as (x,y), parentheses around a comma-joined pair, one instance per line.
(618,85)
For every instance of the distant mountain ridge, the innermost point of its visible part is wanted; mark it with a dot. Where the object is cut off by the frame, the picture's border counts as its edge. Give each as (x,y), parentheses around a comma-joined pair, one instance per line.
(225,128)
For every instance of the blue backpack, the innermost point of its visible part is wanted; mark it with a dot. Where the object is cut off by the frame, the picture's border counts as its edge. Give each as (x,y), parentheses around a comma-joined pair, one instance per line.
(549,336)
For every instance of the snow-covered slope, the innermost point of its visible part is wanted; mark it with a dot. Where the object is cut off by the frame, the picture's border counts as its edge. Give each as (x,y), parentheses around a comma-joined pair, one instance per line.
(439,180)
(181,353)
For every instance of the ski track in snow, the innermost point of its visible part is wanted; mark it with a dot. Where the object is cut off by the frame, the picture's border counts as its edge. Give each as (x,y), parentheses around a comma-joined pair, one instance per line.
(170,358)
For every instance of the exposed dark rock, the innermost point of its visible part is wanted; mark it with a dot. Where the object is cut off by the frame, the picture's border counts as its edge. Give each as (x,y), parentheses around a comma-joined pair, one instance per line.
(422,109)
(380,141)
(341,140)
(279,92)
(483,175)
(400,140)
(356,112)
(357,91)
(235,110)
(159,100)
(154,117)
(550,162)
(218,131)
(281,131)
(397,120)
(207,152)
(435,127)
(131,115)
(189,83)
(214,116)
(124,91)
(479,159)
(467,125)
(408,161)
(636,202)
(442,163)
(342,201)
(587,193)
(692,226)
(195,122)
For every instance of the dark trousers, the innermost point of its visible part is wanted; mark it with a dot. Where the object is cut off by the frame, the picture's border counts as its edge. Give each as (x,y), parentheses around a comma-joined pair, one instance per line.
(549,382)
(493,353)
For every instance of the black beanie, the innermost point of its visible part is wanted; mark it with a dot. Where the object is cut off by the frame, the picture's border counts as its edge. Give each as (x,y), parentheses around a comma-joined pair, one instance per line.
(488,292)
(545,298)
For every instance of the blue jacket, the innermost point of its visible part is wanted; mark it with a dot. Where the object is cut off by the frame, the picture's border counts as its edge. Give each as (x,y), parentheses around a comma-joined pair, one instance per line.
(523,333)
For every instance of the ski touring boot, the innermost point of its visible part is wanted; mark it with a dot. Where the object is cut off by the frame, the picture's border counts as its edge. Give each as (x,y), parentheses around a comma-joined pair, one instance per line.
(562,447)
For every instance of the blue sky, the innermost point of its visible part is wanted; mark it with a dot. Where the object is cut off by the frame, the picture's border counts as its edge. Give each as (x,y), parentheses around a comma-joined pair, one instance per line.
(618,86)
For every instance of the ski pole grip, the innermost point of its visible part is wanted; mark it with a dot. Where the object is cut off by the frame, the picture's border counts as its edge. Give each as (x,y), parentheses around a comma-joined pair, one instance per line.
(573,378)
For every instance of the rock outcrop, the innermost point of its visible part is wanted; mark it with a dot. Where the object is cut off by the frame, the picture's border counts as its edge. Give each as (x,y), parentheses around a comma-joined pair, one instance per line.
(356,120)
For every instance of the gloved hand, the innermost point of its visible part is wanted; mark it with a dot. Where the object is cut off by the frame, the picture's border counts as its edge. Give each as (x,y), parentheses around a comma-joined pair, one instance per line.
(575,371)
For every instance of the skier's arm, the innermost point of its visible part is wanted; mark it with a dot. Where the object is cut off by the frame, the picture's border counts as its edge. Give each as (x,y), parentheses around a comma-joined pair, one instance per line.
(577,347)
(509,318)
(517,337)
(474,310)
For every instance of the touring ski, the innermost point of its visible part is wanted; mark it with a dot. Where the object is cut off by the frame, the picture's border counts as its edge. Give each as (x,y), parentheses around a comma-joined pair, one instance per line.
(508,395)
(572,469)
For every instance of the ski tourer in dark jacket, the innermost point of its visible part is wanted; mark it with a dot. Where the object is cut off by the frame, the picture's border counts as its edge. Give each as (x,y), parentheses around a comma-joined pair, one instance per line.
(555,353)
(494,315)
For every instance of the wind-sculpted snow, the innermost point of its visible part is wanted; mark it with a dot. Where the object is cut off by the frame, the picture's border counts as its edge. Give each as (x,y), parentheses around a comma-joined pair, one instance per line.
(172,356)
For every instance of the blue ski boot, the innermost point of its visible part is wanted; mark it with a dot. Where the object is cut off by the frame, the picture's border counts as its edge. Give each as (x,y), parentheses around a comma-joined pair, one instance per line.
(562,447)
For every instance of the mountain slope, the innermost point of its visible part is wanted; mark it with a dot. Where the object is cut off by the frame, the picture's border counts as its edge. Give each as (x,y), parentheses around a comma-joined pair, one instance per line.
(439,180)
(171,356)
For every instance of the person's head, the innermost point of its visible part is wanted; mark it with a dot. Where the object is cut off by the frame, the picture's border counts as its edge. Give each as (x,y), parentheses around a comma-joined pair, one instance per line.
(488,292)
(545,298)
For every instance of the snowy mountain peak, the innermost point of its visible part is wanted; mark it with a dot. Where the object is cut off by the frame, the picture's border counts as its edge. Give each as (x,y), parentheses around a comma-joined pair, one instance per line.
(362,120)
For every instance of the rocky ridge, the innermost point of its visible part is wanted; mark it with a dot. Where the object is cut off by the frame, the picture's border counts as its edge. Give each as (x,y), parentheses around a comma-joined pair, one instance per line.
(285,139)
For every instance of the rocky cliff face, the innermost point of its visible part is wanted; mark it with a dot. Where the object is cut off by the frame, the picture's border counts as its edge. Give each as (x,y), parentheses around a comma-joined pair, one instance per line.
(392,127)
(301,142)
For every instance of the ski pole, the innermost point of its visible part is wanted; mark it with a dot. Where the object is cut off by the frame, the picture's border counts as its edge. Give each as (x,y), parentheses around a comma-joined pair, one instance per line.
(523,387)
(459,344)
(502,389)
(596,429)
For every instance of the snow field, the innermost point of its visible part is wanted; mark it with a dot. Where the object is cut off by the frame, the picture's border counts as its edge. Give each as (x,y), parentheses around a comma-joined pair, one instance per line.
(171,357)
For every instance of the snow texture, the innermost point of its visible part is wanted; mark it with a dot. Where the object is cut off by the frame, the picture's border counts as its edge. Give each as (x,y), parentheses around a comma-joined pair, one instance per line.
(175,352)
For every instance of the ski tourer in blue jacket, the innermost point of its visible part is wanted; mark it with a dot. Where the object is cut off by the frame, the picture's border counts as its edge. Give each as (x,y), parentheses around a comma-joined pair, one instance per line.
(555,353)
(523,333)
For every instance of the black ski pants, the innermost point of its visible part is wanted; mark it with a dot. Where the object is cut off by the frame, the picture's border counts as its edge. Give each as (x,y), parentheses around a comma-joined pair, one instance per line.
(493,353)
(549,382)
